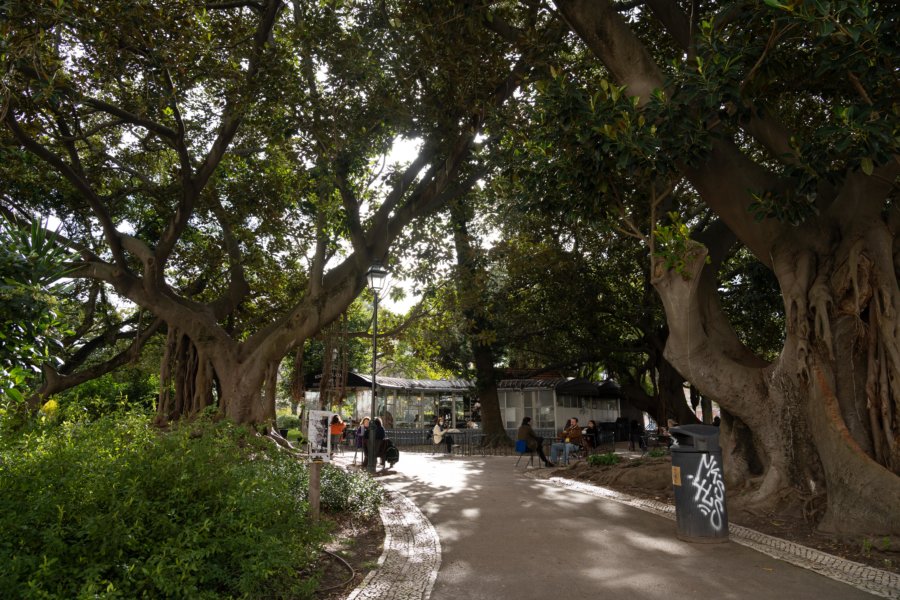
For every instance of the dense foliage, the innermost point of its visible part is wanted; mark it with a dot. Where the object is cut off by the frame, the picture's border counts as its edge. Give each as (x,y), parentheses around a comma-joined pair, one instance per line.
(116,509)
(223,167)
(31,264)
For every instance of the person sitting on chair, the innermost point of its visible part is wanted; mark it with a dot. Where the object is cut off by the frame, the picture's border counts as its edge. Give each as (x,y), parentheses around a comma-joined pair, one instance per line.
(533,441)
(591,436)
(439,435)
(571,436)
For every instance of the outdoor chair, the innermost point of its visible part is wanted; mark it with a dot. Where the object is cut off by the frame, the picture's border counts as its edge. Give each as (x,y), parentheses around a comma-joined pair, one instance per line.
(441,449)
(588,446)
(522,450)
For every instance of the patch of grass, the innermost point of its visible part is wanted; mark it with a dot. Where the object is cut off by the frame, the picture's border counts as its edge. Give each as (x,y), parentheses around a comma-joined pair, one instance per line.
(610,458)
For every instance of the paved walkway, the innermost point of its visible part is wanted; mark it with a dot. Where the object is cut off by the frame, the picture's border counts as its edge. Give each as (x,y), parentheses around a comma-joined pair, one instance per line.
(475,528)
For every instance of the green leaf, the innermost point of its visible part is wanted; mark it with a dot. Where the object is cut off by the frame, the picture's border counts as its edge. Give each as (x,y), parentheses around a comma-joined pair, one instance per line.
(866,164)
(778,5)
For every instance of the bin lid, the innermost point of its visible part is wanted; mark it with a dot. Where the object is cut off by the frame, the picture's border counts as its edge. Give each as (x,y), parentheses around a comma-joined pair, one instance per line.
(695,438)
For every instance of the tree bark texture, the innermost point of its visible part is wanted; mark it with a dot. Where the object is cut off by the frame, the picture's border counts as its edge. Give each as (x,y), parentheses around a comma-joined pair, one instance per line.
(820,426)
(823,417)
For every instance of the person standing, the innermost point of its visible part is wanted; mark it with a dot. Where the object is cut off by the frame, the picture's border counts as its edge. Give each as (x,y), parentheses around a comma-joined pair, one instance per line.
(533,441)
(377,429)
(336,430)
(361,437)
(636,437)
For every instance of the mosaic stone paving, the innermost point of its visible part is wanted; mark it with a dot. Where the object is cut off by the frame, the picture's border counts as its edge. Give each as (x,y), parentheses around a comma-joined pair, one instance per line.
(408,566)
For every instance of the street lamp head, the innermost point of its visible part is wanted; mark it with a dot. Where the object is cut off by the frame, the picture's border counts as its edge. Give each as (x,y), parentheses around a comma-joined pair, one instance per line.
(376,276)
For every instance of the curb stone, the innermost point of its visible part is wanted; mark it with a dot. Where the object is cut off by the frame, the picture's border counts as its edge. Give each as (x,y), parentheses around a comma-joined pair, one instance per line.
(860,576)
(409,563)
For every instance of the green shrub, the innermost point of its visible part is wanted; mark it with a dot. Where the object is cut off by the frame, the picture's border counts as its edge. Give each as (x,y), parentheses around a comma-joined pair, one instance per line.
(116,509)
(288,421)
(353,492)
(657,452)
(610,458)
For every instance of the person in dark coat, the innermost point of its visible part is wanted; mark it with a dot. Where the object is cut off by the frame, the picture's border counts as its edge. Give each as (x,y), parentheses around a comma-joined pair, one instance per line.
(377,429)
(362,436)
(636,437)
(533,441)
(592,435)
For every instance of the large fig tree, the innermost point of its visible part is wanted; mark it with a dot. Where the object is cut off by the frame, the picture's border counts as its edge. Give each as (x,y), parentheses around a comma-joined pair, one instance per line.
(782,118)
(221,165)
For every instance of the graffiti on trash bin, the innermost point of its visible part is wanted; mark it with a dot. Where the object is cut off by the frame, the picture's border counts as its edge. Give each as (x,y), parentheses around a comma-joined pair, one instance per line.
(710,495)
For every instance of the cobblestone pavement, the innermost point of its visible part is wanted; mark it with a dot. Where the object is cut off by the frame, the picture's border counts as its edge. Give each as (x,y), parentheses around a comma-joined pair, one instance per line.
(411,559)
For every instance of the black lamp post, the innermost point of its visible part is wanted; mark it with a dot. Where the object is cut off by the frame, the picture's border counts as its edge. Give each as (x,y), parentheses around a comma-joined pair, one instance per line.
(376,276)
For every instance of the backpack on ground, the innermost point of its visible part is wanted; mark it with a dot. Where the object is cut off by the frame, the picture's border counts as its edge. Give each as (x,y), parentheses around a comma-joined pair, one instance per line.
(391,453)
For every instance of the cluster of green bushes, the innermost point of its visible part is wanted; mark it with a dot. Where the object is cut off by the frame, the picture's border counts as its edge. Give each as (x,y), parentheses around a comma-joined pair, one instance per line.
(114,508)
(288,421)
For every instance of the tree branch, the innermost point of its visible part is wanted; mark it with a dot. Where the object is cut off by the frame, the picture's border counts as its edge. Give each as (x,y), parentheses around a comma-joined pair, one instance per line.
(89,311)
(157,128)
(55,382)
(235,4)
(232,118)
(113,238)
(351,208)
(238,289)
(674,20)
(317,268)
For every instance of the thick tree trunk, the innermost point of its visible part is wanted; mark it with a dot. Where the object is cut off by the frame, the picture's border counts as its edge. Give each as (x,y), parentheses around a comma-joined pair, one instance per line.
(825,417)
(774,421)
(244,400)
(668,401)
(471,300)
(810,415)
(486,384)
(298,387)
(671,395)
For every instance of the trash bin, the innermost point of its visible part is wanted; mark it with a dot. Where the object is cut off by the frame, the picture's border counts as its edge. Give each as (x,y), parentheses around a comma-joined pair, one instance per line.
(698,479)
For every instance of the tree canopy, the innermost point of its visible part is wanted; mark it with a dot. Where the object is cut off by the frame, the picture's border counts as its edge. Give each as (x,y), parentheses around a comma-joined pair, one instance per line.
(222,167)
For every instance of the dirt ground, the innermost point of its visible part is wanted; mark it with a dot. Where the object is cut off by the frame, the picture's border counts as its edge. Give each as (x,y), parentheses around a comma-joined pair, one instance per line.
(652,478)
(359,544)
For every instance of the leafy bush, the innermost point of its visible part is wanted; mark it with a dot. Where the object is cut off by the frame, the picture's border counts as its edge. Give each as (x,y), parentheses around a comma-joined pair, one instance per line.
(31,325)
(610,458)
(288,421)
(352,492)
(116,509)
(127,387)
(657,452)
